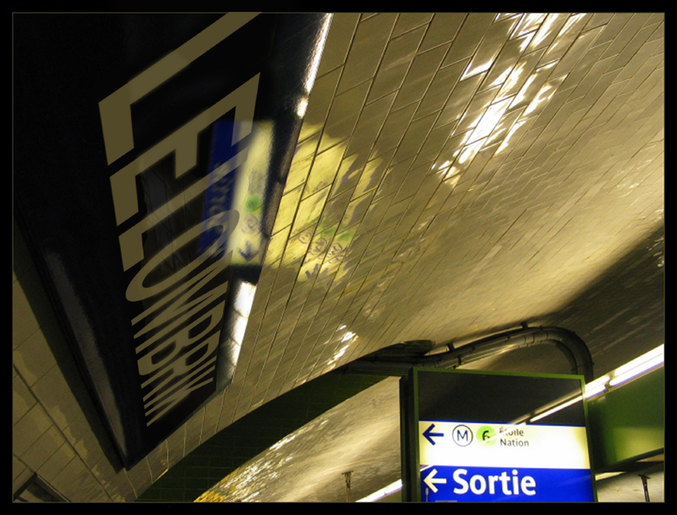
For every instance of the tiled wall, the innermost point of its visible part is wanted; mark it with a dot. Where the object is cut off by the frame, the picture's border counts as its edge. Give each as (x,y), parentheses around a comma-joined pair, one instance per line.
(452,154)
(53,420)
(447,163)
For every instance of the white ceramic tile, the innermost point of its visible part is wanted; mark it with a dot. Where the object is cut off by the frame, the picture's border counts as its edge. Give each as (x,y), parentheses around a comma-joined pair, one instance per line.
(57,462)
(343,115)
(55,395)
(20,473)
(395,64)
(419,76)
(367,48)
(319,103)
(22,398)
(443,29)
(338,42)
(370,123)
(29,428)
(43,448)
(409,21)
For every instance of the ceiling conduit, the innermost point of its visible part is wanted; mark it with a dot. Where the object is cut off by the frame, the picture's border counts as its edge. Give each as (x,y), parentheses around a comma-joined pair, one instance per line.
(566,341)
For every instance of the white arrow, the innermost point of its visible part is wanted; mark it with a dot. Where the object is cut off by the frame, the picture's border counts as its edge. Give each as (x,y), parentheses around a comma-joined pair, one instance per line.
(430,480)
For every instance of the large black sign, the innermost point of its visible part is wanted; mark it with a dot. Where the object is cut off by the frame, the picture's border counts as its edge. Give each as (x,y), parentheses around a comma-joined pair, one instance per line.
(150,155)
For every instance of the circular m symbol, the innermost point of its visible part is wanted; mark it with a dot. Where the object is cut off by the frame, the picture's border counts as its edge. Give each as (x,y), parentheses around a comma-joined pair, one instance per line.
(462,435)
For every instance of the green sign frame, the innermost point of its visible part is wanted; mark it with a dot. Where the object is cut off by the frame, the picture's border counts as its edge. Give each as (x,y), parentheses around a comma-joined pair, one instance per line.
(465,400)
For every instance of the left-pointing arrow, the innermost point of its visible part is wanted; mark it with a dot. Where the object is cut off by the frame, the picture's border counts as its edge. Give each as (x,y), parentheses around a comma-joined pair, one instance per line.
(430,480)
(428,433)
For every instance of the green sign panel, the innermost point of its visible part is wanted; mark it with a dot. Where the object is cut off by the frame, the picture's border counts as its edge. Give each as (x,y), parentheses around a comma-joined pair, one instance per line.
(494,437)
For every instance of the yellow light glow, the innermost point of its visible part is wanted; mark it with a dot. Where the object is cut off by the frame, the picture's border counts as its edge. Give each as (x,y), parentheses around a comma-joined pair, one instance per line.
(557,408)
(239,329)
(470,151)
(490,118)
(311,72)
(469,72)
(638,366)
(348,336)
(545,28)
(525,43)
(391,488)
(302,107)
(244,298)
(502,77)
(597,386)
(451,172)
(529,23)
(511,132)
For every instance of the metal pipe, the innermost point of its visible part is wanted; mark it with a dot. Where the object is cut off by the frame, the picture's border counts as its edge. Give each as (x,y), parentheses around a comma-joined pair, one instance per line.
(347,476)
(645,486)
(566,341)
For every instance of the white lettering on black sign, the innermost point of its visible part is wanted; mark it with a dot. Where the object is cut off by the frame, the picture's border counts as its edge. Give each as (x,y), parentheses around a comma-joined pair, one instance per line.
(173,363)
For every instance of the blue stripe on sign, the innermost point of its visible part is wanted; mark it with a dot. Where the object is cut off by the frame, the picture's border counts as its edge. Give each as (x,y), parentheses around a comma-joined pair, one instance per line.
(219,194)
(491,484)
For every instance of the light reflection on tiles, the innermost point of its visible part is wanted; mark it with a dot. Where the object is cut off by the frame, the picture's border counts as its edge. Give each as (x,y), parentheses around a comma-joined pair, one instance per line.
(509,106)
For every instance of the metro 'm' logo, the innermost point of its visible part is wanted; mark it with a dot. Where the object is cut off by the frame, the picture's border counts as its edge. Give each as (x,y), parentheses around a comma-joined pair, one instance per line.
(462,435)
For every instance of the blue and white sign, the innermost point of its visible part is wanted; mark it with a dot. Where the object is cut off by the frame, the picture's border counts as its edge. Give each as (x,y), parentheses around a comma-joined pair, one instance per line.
(501,462)
(473,436)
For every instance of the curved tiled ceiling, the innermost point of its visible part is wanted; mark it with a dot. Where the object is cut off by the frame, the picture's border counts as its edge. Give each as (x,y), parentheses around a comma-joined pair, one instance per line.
(456,174)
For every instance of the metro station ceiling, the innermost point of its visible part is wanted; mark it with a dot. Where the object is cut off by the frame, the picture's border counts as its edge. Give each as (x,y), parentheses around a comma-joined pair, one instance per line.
(459,175)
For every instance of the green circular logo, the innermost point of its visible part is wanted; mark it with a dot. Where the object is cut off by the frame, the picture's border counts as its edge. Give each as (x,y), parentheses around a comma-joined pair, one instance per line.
(486,434)
(253,204)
